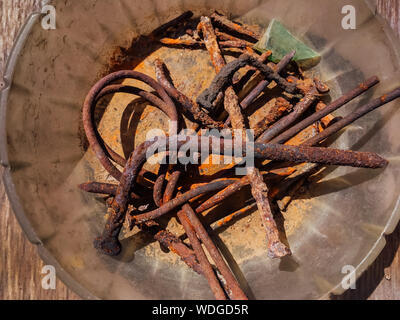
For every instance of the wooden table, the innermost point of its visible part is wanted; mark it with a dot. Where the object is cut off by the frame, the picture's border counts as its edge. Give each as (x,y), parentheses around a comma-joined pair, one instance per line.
(20,265)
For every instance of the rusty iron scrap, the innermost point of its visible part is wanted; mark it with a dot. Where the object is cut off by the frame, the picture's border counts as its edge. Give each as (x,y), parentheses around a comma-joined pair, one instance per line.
(291,138)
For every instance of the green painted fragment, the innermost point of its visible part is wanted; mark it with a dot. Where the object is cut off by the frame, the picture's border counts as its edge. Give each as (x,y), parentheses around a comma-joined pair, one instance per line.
(280,41)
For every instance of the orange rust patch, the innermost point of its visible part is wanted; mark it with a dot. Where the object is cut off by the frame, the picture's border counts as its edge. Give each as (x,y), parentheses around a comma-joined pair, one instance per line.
(326,120)
(283,172)
(273,192)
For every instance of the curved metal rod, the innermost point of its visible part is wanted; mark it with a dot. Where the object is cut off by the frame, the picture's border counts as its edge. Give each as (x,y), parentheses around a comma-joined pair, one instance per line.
(166,105)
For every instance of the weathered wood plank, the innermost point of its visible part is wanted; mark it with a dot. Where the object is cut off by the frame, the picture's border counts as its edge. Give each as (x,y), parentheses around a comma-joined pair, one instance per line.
(390,10)
(387,266)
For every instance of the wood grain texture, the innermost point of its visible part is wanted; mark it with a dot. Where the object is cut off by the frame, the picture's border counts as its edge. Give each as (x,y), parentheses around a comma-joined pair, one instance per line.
(20,265)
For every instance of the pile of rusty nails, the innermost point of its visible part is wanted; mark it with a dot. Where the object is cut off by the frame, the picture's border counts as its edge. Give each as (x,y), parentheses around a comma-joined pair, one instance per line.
(273,145)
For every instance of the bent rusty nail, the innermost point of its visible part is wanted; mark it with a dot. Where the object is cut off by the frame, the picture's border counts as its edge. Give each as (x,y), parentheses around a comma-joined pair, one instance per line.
(233,44)
(336,126)
(357,114)
(174,244)
(280,107)
(276,249)
(265,83)
(240,83)
(105,189)
(172,184)
(108,242)
(187,42)
(284,203)
(327,156)
(222,195)
(114,156)
(158,189)
(194,44)
(224,79)
(154,100)
(333,106)
(90,102)
(252,96)
(211,42)
(259,189)
(222,36)
(162,75)
(150,97)
(231,282)
(206,267)
(180,200)
(229,218)
(278,152)
(287,153)
(227,192)
(217,60)
(284,123)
